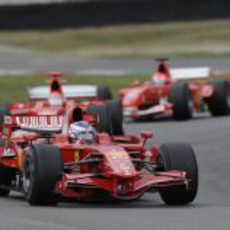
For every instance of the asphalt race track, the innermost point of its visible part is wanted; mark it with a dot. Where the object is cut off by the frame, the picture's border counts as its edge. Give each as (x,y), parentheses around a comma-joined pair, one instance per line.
(23,61)
(211,210)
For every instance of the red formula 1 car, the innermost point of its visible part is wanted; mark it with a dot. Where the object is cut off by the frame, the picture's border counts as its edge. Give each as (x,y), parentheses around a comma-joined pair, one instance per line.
(56,99)
(39,159)
(168,94)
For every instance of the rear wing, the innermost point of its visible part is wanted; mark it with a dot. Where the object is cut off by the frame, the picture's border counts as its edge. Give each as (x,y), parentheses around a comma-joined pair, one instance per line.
(190,73)
(69,92)
(39,124)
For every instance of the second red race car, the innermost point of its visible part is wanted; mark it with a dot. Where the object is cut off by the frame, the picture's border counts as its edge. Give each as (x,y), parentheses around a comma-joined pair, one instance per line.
(179,93)
(48,162)
(56,99)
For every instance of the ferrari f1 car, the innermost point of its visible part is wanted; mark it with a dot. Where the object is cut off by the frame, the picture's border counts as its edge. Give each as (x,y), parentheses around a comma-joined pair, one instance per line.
(38,159)
(169,94)
(56,99)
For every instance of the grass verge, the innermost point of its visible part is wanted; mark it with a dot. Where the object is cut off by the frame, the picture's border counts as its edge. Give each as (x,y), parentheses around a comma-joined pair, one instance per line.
(178,39)
(14,88)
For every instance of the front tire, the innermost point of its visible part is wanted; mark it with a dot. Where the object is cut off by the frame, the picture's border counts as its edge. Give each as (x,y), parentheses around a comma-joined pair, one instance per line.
(182,101)
(179,156)
(42,169)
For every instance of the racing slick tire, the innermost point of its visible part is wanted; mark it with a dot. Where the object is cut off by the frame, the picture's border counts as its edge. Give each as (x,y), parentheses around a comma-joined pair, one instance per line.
(116,115)
(181,99)
(179,156)
(219,102)
(6,177)
(3,112)
(5,180)
(104,93)
(4,192)
(102,111)
(42,169)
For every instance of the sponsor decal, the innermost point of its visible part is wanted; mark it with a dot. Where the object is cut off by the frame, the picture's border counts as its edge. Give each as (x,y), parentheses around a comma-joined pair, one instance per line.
(47,122)
(125,168)
(7,120)
(118,154)
(8,153)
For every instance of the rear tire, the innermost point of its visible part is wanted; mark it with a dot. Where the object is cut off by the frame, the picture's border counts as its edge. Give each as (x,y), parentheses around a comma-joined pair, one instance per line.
(219,102)
(5,181)
(104,93)
(182,101)
(179,156)
(42,169)
(4,192)
(102,111)
(116,115)
(5,178)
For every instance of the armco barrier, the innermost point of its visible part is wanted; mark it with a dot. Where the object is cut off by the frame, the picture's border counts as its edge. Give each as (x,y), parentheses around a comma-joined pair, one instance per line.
(109,13)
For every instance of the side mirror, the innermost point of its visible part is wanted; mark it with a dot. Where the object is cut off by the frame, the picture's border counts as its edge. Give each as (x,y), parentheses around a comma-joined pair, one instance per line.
(146,134)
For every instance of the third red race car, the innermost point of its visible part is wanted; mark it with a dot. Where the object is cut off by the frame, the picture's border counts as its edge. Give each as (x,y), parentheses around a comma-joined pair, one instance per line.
(178,92)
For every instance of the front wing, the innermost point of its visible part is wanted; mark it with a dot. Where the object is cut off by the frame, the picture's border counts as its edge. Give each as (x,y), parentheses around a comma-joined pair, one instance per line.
(120,188)
(153,110)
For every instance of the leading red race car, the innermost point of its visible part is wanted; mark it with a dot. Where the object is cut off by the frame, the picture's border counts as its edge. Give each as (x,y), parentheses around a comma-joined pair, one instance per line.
(39,158)
(56,99)
(169,94)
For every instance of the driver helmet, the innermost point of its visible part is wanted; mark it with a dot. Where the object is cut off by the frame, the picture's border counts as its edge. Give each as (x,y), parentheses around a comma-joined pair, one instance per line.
(159,79)
(83,132)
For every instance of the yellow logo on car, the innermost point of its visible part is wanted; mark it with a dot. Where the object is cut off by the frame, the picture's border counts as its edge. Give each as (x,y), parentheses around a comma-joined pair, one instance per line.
(117,154)
(77,156)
